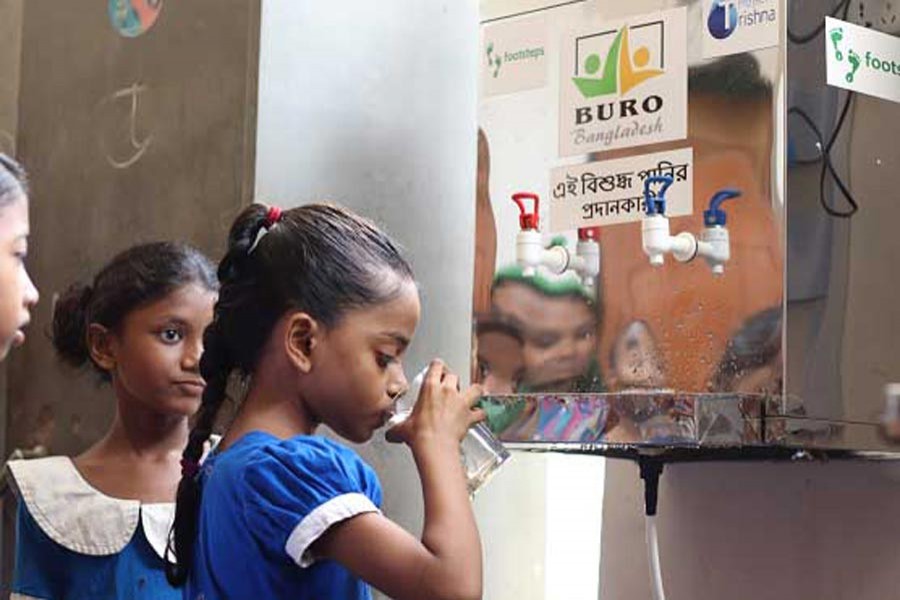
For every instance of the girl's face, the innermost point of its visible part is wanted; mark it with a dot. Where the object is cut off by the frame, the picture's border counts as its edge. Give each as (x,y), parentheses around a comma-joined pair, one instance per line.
(357,366)
(17,292)
(154,356)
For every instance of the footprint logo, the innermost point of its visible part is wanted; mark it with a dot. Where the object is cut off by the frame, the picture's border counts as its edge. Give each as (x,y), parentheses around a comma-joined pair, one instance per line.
(837,35)
(494,61)
(853,58)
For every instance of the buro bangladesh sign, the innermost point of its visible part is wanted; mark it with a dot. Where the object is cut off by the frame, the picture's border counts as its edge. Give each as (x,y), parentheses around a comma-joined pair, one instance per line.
(624,84)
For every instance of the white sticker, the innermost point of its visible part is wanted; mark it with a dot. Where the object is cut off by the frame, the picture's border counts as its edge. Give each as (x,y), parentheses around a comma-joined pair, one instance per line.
(624,83)
(733,26)
(612,191)
(862,60)
(514,56)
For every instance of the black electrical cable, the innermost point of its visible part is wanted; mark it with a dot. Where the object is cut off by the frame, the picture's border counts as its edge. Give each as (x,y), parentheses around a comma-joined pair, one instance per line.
(830,167)
(808,37)
(827,165)
(825,147)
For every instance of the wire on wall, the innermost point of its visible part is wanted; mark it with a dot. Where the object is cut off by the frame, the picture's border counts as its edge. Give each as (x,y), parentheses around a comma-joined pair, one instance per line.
(843,7)
(808,37)
(827,165)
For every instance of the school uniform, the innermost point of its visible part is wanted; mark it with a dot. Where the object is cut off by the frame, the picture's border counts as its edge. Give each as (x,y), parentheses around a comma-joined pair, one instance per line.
(75,543)
(265,503)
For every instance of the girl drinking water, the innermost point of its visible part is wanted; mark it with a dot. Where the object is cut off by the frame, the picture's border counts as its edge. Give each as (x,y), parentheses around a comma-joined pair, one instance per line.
(315,311)
(17,293)
(96,527)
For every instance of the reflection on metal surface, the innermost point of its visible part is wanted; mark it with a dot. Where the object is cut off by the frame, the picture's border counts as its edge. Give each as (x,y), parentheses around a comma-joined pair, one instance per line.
(633,326)
(654,418)
(666,422)
(831,331)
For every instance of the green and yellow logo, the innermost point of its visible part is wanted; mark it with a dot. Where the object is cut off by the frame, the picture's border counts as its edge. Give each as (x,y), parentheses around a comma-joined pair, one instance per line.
(622,69)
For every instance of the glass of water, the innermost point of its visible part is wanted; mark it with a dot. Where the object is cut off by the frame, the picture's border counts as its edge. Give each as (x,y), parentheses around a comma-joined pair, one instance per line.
(481,452)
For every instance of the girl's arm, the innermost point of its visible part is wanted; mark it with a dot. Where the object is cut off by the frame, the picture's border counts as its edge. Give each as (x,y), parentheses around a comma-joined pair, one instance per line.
(446,563)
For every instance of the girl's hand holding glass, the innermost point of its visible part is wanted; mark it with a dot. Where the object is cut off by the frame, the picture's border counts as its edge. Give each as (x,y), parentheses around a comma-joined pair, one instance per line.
(433,408)
(442,410)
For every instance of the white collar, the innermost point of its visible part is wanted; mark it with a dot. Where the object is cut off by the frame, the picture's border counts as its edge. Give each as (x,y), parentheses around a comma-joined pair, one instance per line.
(81,518)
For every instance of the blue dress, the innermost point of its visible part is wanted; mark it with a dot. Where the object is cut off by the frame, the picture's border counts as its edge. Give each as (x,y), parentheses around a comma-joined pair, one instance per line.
(75,543)
(265,502)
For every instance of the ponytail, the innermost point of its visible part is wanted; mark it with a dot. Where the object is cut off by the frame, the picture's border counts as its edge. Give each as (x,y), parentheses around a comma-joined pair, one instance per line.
(216,365)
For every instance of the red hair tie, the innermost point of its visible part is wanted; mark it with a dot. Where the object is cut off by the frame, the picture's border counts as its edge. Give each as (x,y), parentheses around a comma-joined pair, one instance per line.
(272,216)
(189,468)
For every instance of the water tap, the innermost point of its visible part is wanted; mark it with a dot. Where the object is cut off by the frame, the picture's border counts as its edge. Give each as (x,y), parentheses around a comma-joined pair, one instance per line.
(531,253)
(587,255)
(713,245)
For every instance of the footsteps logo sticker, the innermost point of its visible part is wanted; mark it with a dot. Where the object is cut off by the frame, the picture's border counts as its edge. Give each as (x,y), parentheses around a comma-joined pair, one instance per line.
(862,60)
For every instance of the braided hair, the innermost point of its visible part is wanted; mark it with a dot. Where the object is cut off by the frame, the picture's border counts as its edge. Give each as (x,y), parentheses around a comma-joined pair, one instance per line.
(321,259)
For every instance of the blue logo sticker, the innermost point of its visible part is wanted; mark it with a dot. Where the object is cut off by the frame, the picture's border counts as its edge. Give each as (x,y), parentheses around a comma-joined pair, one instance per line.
(723,19)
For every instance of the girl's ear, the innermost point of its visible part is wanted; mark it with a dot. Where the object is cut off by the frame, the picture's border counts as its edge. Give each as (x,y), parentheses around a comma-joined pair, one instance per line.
(101,346)
(302,335)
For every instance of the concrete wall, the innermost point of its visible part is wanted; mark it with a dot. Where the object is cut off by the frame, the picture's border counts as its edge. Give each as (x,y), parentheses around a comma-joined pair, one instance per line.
(10,59)
(111,168)
(763,531)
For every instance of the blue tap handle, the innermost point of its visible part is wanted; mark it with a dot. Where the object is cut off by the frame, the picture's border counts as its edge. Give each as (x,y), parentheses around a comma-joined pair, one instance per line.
(656,201)
(715,215)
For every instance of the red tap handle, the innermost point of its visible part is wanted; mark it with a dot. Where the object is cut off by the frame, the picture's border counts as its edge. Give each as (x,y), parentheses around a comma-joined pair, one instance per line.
(527,220)
(589,233)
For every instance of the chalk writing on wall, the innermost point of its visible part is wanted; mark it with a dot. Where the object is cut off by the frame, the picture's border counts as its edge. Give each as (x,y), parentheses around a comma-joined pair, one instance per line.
(135,146)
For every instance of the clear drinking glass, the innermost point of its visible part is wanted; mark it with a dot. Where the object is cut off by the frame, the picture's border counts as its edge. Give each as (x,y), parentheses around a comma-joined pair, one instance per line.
(480,451)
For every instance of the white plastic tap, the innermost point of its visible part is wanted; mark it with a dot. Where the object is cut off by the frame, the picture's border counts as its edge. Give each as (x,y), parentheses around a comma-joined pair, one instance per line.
(530,251)
(655,236)
(715,245)
(586,261)
(657,241)
(531,254)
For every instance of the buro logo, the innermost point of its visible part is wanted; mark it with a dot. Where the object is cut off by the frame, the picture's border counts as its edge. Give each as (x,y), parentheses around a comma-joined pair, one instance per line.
(621,69)
(723,19)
